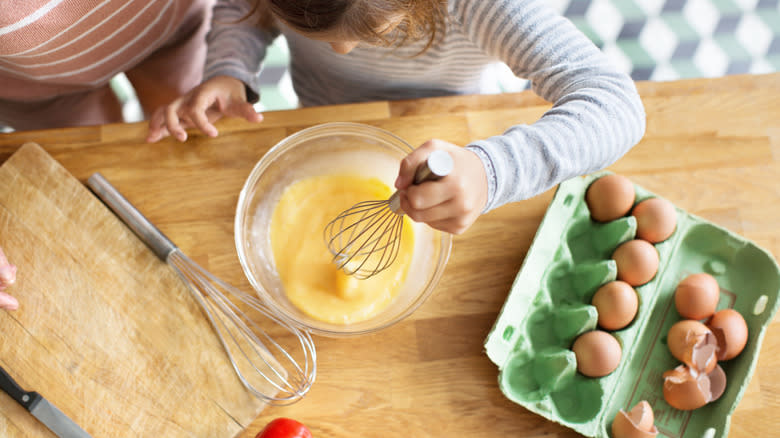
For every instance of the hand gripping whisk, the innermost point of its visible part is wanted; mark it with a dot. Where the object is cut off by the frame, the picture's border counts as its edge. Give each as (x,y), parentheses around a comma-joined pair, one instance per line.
(365,238)
(268,370)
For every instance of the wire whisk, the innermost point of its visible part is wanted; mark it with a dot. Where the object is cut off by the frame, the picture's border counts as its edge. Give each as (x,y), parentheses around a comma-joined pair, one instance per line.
(267,369)
(365,239)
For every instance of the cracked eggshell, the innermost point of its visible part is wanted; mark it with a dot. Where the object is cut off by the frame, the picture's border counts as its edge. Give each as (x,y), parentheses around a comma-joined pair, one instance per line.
(731,332)
(717,383)
(694,344)
(687,389)
(637,423)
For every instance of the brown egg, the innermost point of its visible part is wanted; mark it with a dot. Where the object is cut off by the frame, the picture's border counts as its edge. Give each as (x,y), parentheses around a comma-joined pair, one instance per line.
(656,219)
(637,262)
(616,303)
(731,331)
(610,197)
(696,296)
(637,423)
(688,389)
(694,344)
(598,353)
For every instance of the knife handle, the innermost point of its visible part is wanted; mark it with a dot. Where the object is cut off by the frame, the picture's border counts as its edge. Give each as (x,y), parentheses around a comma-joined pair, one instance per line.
(141,226)
(27,399)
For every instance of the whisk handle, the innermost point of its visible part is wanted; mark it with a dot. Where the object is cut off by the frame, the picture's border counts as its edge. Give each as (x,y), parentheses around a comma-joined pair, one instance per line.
(438,165)
(149,234)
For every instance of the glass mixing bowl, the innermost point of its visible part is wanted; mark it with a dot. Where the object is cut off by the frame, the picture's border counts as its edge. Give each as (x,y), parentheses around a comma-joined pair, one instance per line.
(331,148)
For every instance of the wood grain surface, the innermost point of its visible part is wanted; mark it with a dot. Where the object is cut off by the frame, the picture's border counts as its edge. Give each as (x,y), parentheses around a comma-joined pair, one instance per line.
(107,332)
(712,147)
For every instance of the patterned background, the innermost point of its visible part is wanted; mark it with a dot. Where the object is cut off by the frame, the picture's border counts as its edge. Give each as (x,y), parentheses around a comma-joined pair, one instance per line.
(650,39)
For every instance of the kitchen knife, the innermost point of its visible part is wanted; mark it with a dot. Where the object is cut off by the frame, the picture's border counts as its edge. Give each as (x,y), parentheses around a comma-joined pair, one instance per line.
(40,408)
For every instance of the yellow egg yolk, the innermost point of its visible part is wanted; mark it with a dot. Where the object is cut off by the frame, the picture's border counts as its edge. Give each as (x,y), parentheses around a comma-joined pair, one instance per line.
(311,280)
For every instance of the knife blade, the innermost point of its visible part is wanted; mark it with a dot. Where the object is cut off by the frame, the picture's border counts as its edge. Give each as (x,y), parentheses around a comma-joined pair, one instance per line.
(42,409)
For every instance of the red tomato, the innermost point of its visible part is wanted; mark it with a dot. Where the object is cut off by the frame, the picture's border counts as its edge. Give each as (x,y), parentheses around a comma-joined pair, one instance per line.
(284,428)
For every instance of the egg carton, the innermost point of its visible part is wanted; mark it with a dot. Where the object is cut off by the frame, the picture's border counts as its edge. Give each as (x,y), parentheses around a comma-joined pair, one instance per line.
(548,306)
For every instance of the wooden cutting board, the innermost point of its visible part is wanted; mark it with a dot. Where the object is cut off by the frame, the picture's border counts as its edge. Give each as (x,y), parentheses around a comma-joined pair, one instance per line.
(105,330)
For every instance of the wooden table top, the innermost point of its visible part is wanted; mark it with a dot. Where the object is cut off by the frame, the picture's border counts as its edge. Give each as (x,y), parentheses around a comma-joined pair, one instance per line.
(712,147)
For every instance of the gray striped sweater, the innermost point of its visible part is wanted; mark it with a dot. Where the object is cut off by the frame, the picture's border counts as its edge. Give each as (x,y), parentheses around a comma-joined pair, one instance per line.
(596,117)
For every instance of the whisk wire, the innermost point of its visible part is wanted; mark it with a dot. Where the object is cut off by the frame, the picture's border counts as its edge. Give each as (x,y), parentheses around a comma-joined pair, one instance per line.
(365,238)
(388,239)
(361,235)
(379,226)
(396,241)
(291,386)
(367,210)
(256,346)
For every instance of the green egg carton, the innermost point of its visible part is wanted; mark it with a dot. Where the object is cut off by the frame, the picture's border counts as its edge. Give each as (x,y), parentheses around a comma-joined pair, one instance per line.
(549,306)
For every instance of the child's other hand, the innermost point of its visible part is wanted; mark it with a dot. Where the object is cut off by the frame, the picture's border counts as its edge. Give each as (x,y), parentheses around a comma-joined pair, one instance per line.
(200,107)
(7,278)
(454,202)
(8,302)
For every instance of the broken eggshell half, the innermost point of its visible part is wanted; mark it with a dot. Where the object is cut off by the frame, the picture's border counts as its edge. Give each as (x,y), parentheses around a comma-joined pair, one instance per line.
(637,423)
(686,388)
(694,344)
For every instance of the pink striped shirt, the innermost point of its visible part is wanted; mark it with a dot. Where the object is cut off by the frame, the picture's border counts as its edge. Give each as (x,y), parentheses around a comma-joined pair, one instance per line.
(53,47)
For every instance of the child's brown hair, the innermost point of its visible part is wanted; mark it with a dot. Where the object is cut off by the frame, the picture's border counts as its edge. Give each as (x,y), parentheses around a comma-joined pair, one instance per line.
(364,19)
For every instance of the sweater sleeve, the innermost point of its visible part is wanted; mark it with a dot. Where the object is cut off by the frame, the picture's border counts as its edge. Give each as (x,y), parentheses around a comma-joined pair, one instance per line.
(236,45)
(596,117)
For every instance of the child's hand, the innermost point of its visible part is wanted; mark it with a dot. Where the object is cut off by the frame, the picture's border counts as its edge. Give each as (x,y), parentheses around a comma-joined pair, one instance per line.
(204,104)
(454,202)
(7,278)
